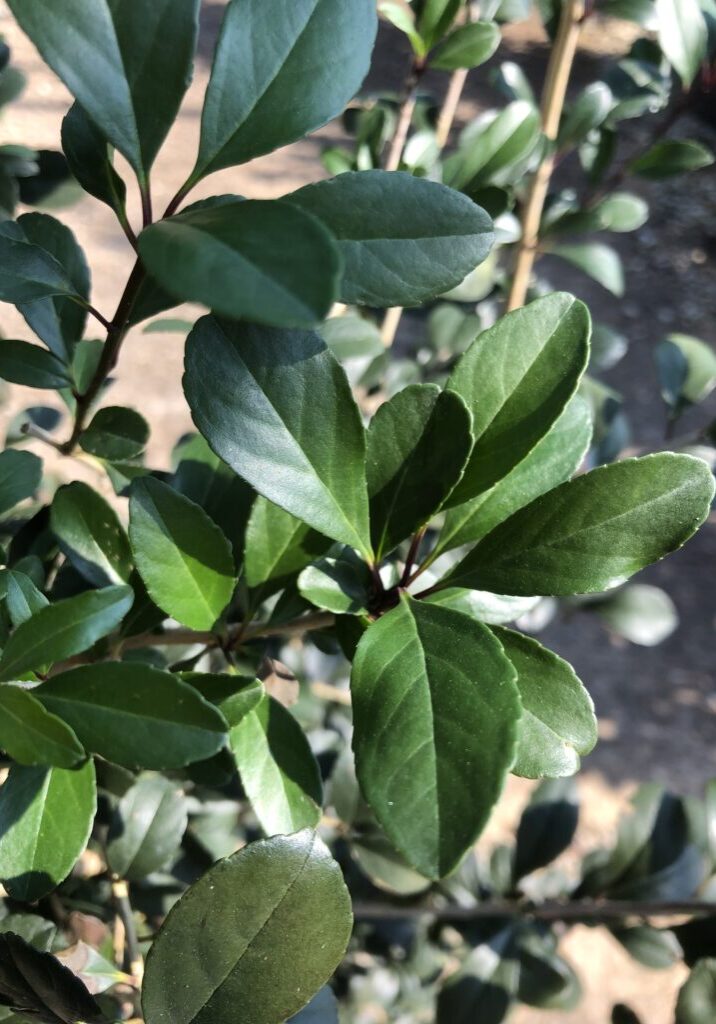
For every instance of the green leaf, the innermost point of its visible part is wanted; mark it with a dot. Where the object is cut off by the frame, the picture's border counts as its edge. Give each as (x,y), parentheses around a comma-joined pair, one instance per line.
(277,544)
(127,63)
(547,826)
(384,866)
(435,712)
(418,445)
(623,211)
(134,715)
(341,583)
(184,559)
(558,722)
(683,36)
(89,159)
(32,736)
(398,13)
(403,239)
(31,366)
(27,271)
(552,461)
(696,1003)
(485,986)
(494,609)
(20,477)
(514,402)
(593,533)
(672,156)
(279,74)
(35,854)
(280,922)
(252,393)
(467,46)
(23,598)
(599,261)
(278,771)
(435,17)
(146,828)
(40,987)
(90,535)
(696,370)
(657,948)
(58,321)
(640,613)
(64,629)
(589,111)
(115,434)
(264,261)
(493,147)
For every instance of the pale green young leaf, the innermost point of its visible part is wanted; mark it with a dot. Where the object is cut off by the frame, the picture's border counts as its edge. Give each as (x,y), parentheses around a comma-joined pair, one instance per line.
(341,582)
(683,36)
(467,46)
(278,544)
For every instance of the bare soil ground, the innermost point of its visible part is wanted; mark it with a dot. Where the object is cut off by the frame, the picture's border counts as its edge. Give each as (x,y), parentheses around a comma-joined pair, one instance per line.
(657,706)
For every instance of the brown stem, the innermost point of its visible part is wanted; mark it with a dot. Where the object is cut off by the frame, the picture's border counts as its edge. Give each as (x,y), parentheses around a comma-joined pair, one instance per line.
(551,910)
(412,555)
(553,97)
(116,334)
(147,212)
(449,109)
(405,117)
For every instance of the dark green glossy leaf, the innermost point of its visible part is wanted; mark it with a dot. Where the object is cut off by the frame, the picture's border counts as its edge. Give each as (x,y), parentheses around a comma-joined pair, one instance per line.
(514,402)
(280,922)
(38,986)
(434,18)
(341,582)
(657,948)
(252,395)
(558,722)
(28,271)
(146,828)
(278,545)
(683,36)
(58,321)
(672,156)
(64,629)
(485,987)
(90,535)
(23,598)
(32,736)
(280,73)
(31,366)
(467,46)
(89,157)
(278,771)
(418,445)
(593,533)
(264,261)
(552,461)
(134,715)
(403,239)
(20,477)
(36,855)
(115,434)
(547,826)
(434,736)
(183,557)
(127,63)
(696,1003)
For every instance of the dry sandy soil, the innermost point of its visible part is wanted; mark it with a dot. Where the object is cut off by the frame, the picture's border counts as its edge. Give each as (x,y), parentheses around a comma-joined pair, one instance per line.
(658,707)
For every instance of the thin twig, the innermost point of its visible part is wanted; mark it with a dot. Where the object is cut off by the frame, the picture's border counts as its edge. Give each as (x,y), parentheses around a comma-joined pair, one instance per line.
(133,957)
(32,430)
(449,109)
(553,97)
(331,693)
(551,910)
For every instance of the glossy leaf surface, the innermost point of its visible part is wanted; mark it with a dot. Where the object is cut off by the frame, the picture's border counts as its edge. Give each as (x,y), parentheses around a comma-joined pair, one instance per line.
(281,921)
(31,735)
(252,393)
(434,735)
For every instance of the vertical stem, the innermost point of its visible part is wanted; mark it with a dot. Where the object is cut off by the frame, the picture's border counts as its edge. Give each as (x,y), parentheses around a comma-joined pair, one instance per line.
(120,894)
(405,117)
(449,109)
(555,91)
